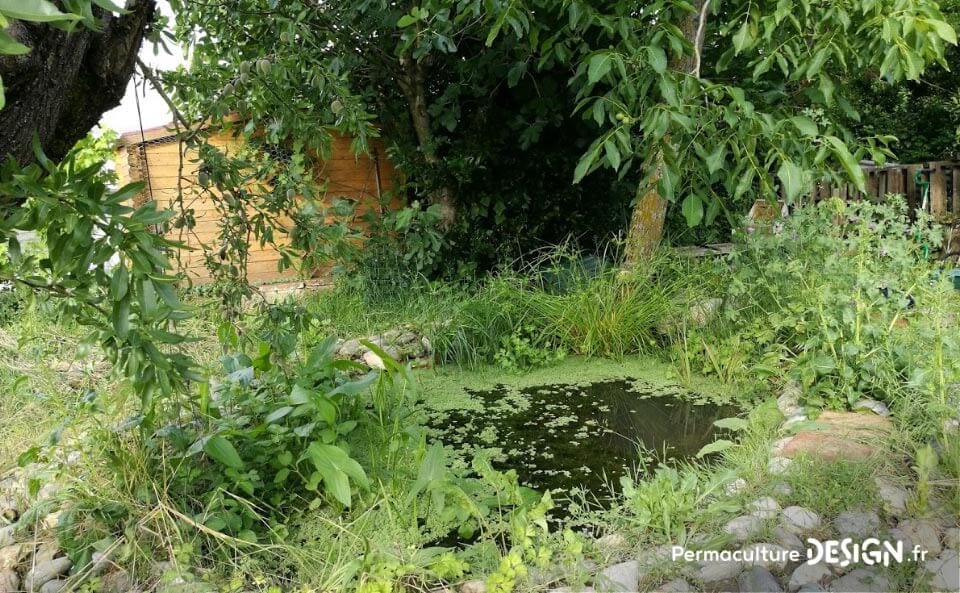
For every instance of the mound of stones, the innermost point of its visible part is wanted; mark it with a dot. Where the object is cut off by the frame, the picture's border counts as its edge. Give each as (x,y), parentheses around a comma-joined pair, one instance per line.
(403,345)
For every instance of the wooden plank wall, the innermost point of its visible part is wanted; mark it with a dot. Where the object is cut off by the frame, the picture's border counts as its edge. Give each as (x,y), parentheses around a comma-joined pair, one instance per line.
(346,176)
(943,176)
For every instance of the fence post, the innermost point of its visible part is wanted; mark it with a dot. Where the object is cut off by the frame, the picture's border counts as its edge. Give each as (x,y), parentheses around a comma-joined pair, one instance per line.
(938,190)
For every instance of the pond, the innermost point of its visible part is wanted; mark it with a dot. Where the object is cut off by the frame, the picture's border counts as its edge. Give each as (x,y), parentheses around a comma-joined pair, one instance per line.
(586,436)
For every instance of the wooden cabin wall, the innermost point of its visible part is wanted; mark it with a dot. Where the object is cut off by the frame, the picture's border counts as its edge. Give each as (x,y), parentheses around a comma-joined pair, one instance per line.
(346,176)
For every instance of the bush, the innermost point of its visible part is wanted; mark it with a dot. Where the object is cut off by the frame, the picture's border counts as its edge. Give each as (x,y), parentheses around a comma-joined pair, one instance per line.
(841,293)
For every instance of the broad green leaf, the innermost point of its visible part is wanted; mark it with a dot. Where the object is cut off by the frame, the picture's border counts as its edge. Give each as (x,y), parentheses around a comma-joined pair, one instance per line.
(599,66)
(613,154)
(34,10)
(405,21)
(278,414)
(223,451)
(356,386)
(715,447)
(731,423)
(805,125)
(10,46)
(792,178)
(692,209)
(743,37)
(944,31)
(583,166)
(336,469)
(110,6)
(714,160)
(847,160)
(657,59)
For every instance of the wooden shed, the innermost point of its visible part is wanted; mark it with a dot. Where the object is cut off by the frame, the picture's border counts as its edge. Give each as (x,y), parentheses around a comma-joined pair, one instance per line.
(153,156)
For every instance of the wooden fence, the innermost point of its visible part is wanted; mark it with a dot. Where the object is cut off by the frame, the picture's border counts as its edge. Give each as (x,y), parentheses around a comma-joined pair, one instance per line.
(943,178)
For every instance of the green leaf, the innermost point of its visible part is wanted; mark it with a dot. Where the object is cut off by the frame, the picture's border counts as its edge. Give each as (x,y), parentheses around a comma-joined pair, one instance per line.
(743,37)
(731,423)
(657,59)
(805,125)
(336,468)
(613,154)
(692,209)
(10,46)
(847,160)
(792,178)
(599,66)
(278,414)
(405,21)
(119,282)
(715,447)
(34,10)
(944,31)
(583,167)
(714,160)
(221,450)
(110,6)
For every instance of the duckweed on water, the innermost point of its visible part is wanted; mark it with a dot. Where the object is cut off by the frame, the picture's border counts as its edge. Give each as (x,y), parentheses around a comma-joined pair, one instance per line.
(582,435)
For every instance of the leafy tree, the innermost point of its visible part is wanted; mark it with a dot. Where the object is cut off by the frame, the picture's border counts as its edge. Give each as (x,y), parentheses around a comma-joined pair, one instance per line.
(480,130)
(711,100)
(64,69)
(923,115)
(104,265)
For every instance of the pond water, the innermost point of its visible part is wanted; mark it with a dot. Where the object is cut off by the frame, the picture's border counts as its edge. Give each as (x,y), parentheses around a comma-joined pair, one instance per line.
(566,436)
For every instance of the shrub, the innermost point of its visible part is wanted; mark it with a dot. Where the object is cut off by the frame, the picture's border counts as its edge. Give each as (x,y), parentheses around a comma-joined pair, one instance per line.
(837,291)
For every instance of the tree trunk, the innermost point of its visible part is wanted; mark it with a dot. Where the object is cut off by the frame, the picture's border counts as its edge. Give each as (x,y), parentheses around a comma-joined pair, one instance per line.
(63,86)
(413,85)
(650,209)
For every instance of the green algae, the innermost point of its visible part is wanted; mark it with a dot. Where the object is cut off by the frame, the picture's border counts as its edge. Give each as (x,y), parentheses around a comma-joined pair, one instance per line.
(577,426)
(446,388)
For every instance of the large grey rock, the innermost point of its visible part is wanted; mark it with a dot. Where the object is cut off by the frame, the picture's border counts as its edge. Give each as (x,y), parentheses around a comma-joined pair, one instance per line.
(894,497)
(944,571)
(923,533)
(787,539)
(766,555)
(789,400)
(808,574)
(350,348)
(44,572)
(713,572)
(117,581)
(758,580)
(621,577)
(743,527)
(857,524)
(862,580)
(800,519)
(675,586)
(474,586)
(778,465)
(54,586)
(811,588)
(872,405)
(951,538)
(372,360)
(9,581)
(764,508)
(897,535)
